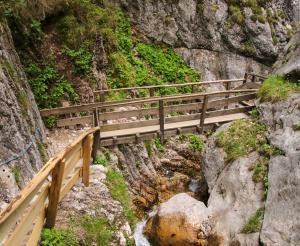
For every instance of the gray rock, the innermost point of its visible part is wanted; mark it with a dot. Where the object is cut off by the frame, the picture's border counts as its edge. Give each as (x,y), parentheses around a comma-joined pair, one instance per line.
(21,127)
(281,225)
(289,63)
(233,199)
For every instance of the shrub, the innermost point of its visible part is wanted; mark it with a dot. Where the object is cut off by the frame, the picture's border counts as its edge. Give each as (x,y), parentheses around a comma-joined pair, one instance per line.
(159,145)
(49,87)
(254,223)
(58,237)
(276,88)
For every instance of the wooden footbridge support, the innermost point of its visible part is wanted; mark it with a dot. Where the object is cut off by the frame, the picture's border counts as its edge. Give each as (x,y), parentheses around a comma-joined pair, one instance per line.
(36,205)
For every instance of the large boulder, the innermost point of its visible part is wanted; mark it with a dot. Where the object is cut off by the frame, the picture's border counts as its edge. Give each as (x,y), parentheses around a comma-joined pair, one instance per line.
(234,199)
(181,221)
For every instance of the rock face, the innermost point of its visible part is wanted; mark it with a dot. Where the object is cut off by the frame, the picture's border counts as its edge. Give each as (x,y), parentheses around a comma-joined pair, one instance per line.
(21,128)
(289,63)
(281,225)
(154,177)
(234,199)
(214,32)
(182,220)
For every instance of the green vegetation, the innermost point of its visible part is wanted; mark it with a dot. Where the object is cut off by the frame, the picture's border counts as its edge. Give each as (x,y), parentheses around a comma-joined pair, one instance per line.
(97,231)
(101,160)
(196,141)
(119,191)
(241,138)
(260,173)
(42,151)
(58,237)
(50,122)
(16,170)
(148,145)
(255,222)
(159,145)
(277,88)
(49,87)
(296,127)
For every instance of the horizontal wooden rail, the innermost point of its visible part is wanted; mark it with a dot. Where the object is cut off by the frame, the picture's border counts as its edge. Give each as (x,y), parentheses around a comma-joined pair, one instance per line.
(24,218)
(101,105)
(169,86)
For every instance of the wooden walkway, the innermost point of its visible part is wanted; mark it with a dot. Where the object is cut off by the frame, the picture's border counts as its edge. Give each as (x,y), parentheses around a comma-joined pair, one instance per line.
(36,205)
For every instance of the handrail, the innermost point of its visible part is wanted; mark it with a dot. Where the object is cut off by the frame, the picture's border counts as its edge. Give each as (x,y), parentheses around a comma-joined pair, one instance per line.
(91,106)
(168,85)
(18,208)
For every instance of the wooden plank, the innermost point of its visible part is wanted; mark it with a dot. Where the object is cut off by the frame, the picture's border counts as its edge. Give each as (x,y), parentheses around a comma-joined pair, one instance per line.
(75,149)
(223,101)
(37,229)
(82,120)
(72,163)
(161,120)
(70,183)
(10,220)
(56,183)
(97,138)
(26,223)
(128,125)
(89,107)
(203,114)
(169,85)
(228,111)
(86,155)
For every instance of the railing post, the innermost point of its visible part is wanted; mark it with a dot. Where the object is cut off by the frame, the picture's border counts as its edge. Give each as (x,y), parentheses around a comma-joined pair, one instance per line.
(102,96)
(162,120)
(203,113)
(253,78)
(245,78)
(151,92)
(55,188)
(193,88)
(228,84)
(86,156)
(97,139)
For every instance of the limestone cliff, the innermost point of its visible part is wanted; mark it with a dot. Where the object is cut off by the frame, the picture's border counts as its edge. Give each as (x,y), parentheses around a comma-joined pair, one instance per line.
(21,129)
(215,35)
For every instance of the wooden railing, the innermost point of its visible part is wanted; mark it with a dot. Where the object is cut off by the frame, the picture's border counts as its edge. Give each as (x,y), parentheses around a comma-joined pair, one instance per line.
(36,205)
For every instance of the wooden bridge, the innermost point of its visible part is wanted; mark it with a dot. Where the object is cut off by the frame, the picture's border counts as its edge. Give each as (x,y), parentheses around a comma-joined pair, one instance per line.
(140,119)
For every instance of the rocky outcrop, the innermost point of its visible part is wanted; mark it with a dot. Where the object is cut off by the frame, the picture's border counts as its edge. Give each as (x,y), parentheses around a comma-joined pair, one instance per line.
(234,199)
(281,225)
(289,63)
(21,129)
(155,176)
(182,220)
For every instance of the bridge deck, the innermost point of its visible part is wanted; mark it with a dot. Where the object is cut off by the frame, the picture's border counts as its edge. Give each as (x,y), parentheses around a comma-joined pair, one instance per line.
(169,126)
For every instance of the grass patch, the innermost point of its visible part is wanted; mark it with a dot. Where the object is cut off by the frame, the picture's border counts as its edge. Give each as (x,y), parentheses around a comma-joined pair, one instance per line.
(119,191)
(101,160)
(276,88)
(241,138)
(255,222)
(260,173)
(196,142)
(58,237)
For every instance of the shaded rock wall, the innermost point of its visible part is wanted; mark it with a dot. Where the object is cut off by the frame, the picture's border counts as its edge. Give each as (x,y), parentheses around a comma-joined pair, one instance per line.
(20,122)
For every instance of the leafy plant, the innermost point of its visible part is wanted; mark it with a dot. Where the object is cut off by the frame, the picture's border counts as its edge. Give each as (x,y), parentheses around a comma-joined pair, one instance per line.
(196,142)
(50,121)
(49,87)
(81,59)
(58,237)
(255,222)
(159,145)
